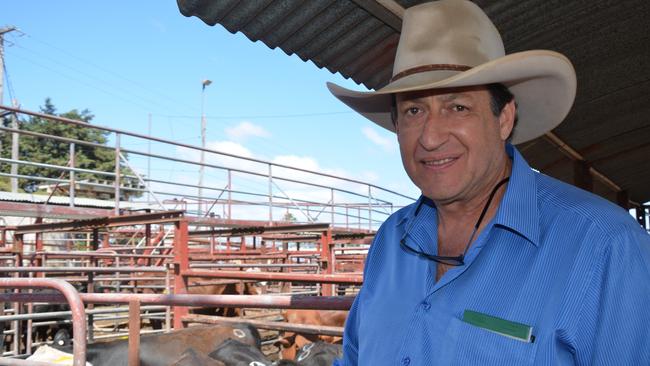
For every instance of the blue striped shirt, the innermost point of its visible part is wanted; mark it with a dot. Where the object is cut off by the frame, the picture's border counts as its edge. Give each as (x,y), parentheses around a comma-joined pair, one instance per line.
(569,264)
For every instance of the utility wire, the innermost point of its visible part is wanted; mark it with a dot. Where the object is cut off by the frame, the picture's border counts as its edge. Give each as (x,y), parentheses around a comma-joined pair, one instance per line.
(117,75)
(95,80)
(10,87)
(84,83)
(269,116)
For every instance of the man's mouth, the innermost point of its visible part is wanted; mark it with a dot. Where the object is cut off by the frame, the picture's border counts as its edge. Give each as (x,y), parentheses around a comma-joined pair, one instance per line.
(438,162)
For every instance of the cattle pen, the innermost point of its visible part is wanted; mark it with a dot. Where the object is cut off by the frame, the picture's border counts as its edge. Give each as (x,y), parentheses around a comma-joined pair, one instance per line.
(170,259)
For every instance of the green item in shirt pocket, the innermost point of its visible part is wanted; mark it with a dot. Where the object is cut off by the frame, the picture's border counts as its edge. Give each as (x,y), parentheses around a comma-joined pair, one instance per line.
(518,331)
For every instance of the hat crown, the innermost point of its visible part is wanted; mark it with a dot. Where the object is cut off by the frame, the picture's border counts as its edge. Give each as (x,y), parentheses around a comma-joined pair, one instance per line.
(446,32)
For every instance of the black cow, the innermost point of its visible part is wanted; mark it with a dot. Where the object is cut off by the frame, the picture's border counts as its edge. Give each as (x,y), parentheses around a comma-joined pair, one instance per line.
(50,332)
(319,354)
(164,349)
(192,358)
(235,353)
(284,362)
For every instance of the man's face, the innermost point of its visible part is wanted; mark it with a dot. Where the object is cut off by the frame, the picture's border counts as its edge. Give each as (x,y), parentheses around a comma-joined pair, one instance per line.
(451,143)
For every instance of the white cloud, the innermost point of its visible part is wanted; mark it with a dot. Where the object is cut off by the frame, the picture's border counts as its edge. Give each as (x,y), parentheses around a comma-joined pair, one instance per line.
(302,162)
(246,129)
(228,147)
(353,193)
(386,143)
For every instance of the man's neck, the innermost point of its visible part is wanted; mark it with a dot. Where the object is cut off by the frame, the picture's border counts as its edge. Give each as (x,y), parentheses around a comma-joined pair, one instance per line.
(458,218)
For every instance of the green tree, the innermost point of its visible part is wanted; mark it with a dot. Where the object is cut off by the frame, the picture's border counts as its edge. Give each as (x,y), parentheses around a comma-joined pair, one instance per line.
(49,151)
(288,216)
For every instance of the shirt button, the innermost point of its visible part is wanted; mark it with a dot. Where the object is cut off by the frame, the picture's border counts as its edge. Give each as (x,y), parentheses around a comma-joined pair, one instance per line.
(406,361)
(426,305)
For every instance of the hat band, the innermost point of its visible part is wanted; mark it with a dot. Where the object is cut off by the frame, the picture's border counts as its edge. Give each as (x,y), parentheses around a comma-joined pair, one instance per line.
(432,67)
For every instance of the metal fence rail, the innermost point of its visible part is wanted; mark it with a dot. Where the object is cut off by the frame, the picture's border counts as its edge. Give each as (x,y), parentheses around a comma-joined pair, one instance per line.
(69,295)
(244,183)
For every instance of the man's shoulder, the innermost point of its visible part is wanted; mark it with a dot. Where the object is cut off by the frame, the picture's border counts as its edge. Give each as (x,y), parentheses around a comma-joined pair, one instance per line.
(562,199)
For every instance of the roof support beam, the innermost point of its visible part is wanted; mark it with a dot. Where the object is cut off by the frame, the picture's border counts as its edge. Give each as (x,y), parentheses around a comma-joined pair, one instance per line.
(576,156)
(388,11)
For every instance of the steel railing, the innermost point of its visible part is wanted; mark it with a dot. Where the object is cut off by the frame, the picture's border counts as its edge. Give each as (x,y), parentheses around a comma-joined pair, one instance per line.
(312,196)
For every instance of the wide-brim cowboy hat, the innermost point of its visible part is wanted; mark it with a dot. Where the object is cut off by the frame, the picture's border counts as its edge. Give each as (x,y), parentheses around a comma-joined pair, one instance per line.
(452,43)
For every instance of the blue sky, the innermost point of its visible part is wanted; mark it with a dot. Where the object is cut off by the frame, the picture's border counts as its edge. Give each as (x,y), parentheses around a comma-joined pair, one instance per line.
(125,59)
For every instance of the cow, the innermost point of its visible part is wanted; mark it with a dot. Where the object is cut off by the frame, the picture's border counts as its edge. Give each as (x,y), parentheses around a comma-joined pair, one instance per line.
(284,362)
(235,353)
(208,286)
(319,354)
(291,342)
(164,349)
(192,358)
(199,286)
(43,333)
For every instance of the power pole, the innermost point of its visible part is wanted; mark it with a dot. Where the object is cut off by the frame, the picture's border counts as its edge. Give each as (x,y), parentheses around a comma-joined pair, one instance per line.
(14,121)
(2,58)
(205,83)
(14,150)
(148,185)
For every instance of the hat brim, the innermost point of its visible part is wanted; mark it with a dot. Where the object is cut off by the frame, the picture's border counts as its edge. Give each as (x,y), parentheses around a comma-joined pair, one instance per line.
(543,83)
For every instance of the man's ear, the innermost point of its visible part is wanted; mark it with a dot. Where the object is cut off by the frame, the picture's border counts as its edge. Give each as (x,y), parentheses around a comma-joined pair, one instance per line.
(507,119)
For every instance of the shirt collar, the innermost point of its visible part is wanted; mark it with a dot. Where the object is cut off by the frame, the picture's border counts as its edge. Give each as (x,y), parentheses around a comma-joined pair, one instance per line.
(518,209)
(414,209)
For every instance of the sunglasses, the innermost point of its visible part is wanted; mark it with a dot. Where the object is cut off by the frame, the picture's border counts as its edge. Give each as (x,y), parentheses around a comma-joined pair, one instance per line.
(459,260)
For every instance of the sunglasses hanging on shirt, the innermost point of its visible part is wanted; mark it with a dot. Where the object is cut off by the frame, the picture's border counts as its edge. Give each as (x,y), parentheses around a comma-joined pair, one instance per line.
(460,259)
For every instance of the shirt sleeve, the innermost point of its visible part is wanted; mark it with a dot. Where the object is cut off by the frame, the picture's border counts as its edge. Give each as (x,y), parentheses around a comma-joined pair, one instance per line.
(351,337)
(614,324)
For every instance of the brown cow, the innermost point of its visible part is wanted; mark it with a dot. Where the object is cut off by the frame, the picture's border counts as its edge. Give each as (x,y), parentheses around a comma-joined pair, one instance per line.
(291,342)
(210,286)
(202,286)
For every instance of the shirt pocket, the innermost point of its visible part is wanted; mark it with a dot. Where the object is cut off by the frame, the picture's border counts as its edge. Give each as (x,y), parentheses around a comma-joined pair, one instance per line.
(471,345)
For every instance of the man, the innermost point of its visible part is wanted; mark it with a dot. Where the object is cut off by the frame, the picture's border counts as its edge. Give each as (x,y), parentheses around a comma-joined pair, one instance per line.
(495,264)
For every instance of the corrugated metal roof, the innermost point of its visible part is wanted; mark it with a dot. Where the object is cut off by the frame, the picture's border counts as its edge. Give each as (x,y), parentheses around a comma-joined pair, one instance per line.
(608,42)
(64,200)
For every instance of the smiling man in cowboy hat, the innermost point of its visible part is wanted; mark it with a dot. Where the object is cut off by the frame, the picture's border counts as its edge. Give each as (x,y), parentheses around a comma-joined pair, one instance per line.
(495,264)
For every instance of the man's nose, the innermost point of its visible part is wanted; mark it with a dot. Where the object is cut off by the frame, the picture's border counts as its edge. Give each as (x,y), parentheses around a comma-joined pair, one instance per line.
(434,133)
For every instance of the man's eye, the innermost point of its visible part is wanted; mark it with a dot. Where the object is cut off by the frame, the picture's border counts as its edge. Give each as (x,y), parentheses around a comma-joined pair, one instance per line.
(412,111)
(459,108)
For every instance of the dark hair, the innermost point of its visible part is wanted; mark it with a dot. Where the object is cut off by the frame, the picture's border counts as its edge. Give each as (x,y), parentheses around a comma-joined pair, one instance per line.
(393,109)
(499,97)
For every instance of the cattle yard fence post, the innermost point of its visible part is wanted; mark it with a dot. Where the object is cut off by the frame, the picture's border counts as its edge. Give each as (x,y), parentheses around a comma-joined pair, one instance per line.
(134,333)
(73,163)
(168,290)
(117,173)
(181,264)
(326,258)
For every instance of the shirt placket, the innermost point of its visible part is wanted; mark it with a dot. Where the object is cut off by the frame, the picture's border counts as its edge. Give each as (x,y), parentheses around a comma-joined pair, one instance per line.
(410,352)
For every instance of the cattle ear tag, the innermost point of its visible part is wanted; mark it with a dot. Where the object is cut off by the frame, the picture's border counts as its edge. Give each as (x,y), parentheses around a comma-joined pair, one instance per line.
(238,333)
(507,328)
